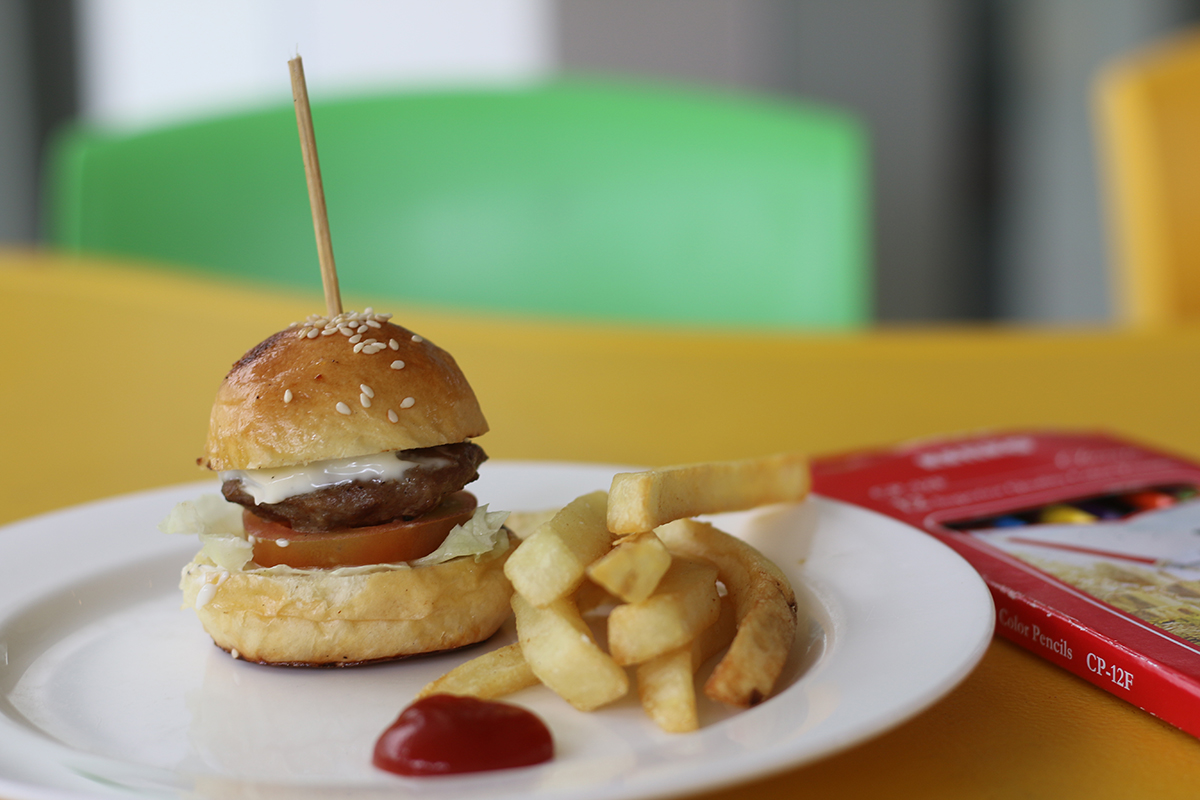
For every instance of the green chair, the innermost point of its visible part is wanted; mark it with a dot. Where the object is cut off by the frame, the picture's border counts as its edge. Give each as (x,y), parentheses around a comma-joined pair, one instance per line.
(571,199)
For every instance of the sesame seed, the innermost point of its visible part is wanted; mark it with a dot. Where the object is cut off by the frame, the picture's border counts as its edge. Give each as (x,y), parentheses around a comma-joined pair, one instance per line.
(282,542)
(392,343)
(351,321)
(397,364)
(329,331)
(343,408)
(417,338)
(408,402)
(234,652)
(367,390)
(366,401)
(313,333)
(356,338)
(392,416)
(287,396)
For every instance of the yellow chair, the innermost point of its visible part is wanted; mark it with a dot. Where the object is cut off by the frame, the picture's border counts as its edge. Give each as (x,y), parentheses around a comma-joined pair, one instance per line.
(1148,113)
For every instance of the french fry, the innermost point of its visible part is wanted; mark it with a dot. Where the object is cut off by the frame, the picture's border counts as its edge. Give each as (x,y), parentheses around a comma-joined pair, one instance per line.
(641,501)
(667,690)
(550,564)
(633,567)
(523,523)
(764,603)
(659,587)
(666,684)
(685,603)
(490,675)
(559,648)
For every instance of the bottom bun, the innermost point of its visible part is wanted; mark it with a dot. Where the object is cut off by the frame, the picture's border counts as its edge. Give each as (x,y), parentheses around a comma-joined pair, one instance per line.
(349,616)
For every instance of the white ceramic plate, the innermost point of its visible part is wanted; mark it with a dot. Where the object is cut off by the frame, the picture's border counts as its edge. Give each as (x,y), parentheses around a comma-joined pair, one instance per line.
(108,689)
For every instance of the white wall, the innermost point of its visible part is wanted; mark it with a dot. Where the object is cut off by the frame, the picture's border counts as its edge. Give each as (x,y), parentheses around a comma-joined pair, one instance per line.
(147,61)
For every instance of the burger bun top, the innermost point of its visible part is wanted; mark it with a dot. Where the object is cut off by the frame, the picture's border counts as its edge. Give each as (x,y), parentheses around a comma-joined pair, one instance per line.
(300,396)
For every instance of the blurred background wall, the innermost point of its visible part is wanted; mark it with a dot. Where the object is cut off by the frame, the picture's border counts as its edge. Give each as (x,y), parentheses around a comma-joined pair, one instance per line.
(986,197)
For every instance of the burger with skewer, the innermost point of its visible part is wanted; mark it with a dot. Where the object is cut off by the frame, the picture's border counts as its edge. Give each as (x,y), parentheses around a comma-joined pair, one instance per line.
(343,534)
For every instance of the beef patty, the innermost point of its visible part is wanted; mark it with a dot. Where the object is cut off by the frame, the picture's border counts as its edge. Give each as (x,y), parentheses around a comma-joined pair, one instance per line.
(438,472)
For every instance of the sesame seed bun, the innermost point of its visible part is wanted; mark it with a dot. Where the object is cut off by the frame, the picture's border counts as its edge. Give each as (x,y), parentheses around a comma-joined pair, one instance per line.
(323,618)
(299,396)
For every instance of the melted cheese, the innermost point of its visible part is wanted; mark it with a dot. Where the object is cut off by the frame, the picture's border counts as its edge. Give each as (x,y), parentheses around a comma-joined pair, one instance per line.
(280,483)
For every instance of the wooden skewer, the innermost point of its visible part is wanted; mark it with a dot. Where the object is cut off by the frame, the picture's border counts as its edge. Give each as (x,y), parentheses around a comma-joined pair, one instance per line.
(316,191)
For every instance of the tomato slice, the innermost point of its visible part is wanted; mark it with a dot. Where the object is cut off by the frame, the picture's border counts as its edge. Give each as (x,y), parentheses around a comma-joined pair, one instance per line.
(392,542)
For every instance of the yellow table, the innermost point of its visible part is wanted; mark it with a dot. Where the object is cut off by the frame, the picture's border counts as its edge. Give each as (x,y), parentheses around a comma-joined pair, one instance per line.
(109,371)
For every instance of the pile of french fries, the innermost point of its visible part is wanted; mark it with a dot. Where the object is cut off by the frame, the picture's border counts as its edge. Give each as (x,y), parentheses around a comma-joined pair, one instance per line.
(678,591)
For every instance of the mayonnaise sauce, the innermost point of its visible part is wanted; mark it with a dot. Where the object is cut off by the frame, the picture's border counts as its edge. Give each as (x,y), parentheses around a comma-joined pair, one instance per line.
(279,483)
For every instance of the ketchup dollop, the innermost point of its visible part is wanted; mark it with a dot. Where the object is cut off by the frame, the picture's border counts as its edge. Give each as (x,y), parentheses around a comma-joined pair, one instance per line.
(446,734)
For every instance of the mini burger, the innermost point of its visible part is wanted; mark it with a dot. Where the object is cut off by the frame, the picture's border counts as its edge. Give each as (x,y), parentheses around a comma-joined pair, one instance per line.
(343,534)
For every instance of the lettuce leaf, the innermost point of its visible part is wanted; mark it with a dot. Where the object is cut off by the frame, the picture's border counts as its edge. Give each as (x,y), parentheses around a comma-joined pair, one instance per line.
(477,537)
(223,539)
(218,523)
